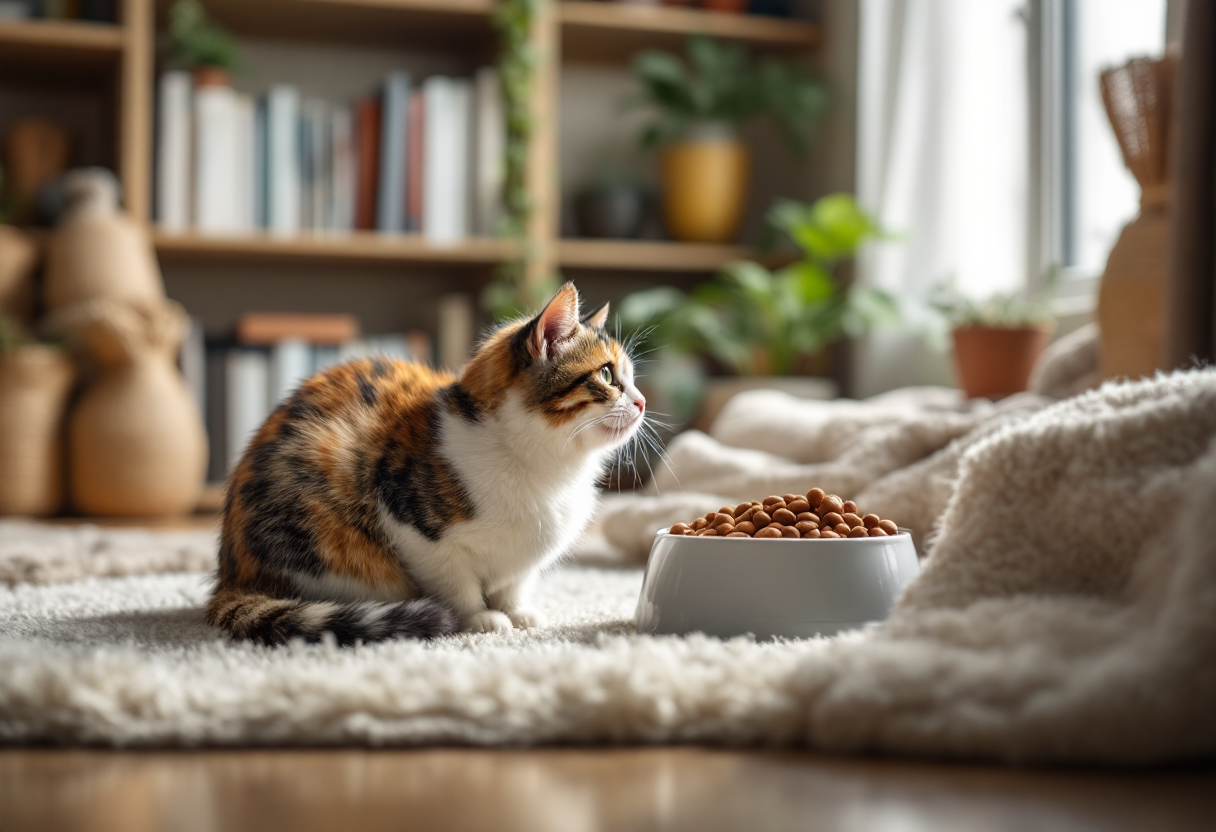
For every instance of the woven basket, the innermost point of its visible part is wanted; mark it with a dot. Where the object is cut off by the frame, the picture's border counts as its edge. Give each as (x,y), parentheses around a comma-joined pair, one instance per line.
(35,383)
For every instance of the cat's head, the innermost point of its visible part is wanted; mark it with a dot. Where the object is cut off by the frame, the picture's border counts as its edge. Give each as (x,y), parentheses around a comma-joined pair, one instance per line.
(563,370)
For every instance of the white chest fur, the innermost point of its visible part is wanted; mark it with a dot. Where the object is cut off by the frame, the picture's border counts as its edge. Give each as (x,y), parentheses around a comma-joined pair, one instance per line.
(532,495)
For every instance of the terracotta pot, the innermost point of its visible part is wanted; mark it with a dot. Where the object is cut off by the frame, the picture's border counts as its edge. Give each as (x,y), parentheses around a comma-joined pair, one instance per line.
(705,180)
(1131,298)
(994,362)
(35,383)
(97,252)
(210,76)
(137,446)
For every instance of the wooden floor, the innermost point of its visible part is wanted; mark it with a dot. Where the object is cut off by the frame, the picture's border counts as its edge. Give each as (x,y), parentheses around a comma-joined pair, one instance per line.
(575,790)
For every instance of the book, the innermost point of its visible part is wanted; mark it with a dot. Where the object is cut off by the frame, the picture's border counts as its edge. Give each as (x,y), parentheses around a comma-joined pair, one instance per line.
(259,175)
(489,143)
(283,160)
(216,152)
(394,137)
(267,328)
(455,330)
(192,358)
(343,171)
(445,167)
(291,362)
(414,162)
(173,151)
(244,180)
(216,398)
(367,143)
(247,376)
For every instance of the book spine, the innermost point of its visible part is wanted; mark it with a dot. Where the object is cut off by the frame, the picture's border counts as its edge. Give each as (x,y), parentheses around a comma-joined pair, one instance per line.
(490,137)
(415,160)
(247,381)
(216,150)
(283,185)
(290,364)
(394,134)
(367,130)
(173,152)
(343,170)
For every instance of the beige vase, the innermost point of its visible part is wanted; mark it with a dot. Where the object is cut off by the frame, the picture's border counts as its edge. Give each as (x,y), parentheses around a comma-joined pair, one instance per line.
(18,255)
(35,382)
(1131,297)
(98,252)
(137,446)
(705,181)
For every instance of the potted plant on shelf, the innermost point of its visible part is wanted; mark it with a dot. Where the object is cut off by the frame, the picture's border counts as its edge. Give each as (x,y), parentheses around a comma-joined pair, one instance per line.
(705,168)
(614,204)
(998,339)
(198,43)
(771,328)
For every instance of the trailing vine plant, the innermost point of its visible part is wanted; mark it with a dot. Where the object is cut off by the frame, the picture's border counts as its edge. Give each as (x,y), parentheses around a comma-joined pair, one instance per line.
(511,292)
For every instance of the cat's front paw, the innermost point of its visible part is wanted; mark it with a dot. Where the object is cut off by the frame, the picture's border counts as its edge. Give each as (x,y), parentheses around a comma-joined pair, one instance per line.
(526,618)
(488,621)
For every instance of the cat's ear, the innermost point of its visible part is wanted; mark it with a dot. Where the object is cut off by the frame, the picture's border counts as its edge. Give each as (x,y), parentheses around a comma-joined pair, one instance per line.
(555,325)
(596,318)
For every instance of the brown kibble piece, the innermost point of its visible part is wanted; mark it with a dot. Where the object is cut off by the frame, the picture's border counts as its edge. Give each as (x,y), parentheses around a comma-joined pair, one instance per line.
(809,517)
(852,520)
(742,507)
(877,532)
(815,497)
(745,515)
(805,527)
(761,519)
(785,517)
(709,516)
(832,519)
(746,527)
(738,534)
(798,506)
(870,521)
(828,533)
(720,518)
(678,528)
(791,532)
(831,503)
(768,532)
(690,532)
(813,533)
(772,498)
(789,498)
(888,526)
(724,528)
(849,507)
(727,510)
(699,524)
(708,532)
(858,531)
(841,529)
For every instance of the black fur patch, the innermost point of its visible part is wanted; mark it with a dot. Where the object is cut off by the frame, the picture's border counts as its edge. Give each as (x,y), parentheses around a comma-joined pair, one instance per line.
(459,401)
(367,390)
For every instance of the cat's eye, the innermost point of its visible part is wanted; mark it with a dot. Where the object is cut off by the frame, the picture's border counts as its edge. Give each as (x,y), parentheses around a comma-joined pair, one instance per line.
(606,375)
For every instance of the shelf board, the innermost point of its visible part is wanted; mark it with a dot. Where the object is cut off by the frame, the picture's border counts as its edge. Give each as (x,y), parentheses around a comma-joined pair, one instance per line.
(395,23)
(358,247)
(58,45)
(655,256)
(615,31)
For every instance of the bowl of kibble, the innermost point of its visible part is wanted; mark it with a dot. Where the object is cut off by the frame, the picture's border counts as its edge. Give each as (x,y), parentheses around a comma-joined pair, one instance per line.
(791,566)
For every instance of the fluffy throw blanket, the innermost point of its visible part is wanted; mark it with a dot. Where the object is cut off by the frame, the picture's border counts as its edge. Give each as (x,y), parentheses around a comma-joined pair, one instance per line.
(1066,610)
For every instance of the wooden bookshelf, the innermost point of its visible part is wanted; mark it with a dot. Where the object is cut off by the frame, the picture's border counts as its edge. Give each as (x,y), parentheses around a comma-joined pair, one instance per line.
(655,256)
(615,31)
(392,23)
(58,45)
(333,247)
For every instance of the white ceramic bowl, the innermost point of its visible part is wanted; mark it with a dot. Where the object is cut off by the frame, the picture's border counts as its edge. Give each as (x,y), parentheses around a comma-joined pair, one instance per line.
(729,586)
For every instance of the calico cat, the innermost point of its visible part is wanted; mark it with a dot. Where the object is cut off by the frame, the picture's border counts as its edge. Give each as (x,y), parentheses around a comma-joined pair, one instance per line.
(386,499)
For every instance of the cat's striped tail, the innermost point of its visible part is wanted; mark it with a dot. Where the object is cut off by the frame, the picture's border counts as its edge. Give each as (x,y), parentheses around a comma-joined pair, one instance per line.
(254,616)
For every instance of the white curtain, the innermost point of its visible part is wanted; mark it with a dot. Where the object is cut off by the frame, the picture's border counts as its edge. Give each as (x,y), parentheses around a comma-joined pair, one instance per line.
(942,162)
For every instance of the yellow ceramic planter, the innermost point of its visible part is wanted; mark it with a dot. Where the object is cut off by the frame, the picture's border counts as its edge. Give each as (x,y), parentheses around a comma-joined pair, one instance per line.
(704,189)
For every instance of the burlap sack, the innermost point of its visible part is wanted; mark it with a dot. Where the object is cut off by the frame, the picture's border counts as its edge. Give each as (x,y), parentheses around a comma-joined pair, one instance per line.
(35,382)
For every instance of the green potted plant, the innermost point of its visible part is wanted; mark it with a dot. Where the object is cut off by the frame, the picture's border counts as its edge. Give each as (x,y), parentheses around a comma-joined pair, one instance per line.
(772,327)
(613,203)
(698,106)
(198,43)
(997,339)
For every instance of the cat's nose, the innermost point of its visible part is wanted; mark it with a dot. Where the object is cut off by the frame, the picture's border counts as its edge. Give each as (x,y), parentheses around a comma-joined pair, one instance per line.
(641,403)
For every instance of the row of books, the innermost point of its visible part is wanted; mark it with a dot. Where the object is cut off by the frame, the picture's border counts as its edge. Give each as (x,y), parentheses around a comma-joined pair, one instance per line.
(239,380)
(418,157)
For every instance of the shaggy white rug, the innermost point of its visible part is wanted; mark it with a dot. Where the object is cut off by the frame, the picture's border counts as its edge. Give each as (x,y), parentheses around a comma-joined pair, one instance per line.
(1067,612)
